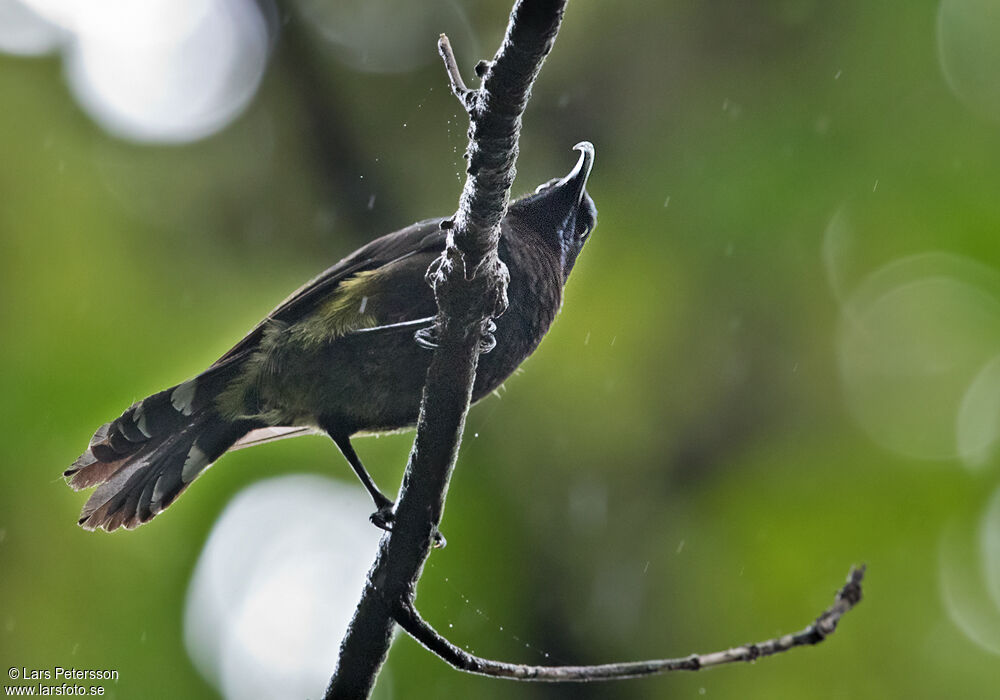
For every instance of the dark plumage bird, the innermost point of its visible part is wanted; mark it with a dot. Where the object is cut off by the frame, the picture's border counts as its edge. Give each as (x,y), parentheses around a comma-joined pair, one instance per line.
(337,357)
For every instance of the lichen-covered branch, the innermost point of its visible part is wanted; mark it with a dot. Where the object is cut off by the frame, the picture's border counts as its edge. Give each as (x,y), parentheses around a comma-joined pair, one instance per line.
(469,283)
(495,111)
(824,625)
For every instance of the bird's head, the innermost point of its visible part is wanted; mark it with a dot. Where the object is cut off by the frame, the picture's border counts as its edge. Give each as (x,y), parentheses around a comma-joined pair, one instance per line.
(561,212)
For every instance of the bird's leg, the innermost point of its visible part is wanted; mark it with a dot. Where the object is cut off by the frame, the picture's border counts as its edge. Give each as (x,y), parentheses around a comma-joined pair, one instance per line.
(382,517)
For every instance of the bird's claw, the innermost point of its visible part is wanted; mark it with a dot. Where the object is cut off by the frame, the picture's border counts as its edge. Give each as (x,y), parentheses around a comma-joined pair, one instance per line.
(488,340)
(428,340)
(383,517)
(427,337)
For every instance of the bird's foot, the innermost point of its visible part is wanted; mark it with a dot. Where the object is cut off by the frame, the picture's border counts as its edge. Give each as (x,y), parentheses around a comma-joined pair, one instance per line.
(427,337)
(488,339)
(383,517)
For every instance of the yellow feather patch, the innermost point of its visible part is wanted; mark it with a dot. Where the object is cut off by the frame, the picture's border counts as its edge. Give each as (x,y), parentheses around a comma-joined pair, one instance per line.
(349,309)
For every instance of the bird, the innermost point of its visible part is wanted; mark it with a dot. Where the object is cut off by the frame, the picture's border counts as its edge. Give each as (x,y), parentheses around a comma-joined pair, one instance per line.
(341,356)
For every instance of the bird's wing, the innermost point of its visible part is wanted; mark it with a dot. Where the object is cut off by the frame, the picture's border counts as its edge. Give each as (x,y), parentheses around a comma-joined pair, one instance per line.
(421,237)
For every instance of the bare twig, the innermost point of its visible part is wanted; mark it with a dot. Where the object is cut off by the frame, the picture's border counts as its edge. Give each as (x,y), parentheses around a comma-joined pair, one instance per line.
(824,625)
(470,285)
(451,67)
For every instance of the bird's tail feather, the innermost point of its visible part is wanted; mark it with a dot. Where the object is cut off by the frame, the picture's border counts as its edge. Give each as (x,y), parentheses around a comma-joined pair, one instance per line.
(142,460)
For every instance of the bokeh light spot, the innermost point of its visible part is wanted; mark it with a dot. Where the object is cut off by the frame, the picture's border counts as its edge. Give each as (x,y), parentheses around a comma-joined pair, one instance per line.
(276,585)
(969,50)
(837,250)
(978,426)
(24,32)
(912,339)
(970,577)
(990,548)
(162,71)
(148,88)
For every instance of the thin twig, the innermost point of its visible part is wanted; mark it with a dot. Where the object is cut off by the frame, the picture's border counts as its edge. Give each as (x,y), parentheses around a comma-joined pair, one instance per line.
(451,67)
(824,625)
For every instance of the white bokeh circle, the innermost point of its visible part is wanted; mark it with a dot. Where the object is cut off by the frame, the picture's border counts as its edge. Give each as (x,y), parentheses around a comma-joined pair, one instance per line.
(969,555)
(24,32)
(276,585)
(160,71)
(913,338)
(968,33)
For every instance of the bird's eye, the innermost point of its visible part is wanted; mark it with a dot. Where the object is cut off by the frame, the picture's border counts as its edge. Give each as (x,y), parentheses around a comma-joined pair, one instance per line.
(585,222)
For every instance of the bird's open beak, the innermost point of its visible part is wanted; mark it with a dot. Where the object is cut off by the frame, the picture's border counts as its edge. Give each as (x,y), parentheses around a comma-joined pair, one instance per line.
(576,180)
(574,183)
(563,204)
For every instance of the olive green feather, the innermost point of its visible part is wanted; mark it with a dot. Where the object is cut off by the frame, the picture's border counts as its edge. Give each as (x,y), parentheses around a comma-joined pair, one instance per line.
(351,307)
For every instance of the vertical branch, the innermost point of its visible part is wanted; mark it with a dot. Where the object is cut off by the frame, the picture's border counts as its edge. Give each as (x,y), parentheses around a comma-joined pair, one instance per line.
(495,112)
(470,285)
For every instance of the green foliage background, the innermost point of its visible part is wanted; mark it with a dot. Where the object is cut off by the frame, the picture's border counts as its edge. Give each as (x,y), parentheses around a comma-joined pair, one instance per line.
(688,396)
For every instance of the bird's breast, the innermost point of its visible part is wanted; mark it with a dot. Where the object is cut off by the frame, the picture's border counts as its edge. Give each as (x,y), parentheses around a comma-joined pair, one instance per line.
(534,297)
